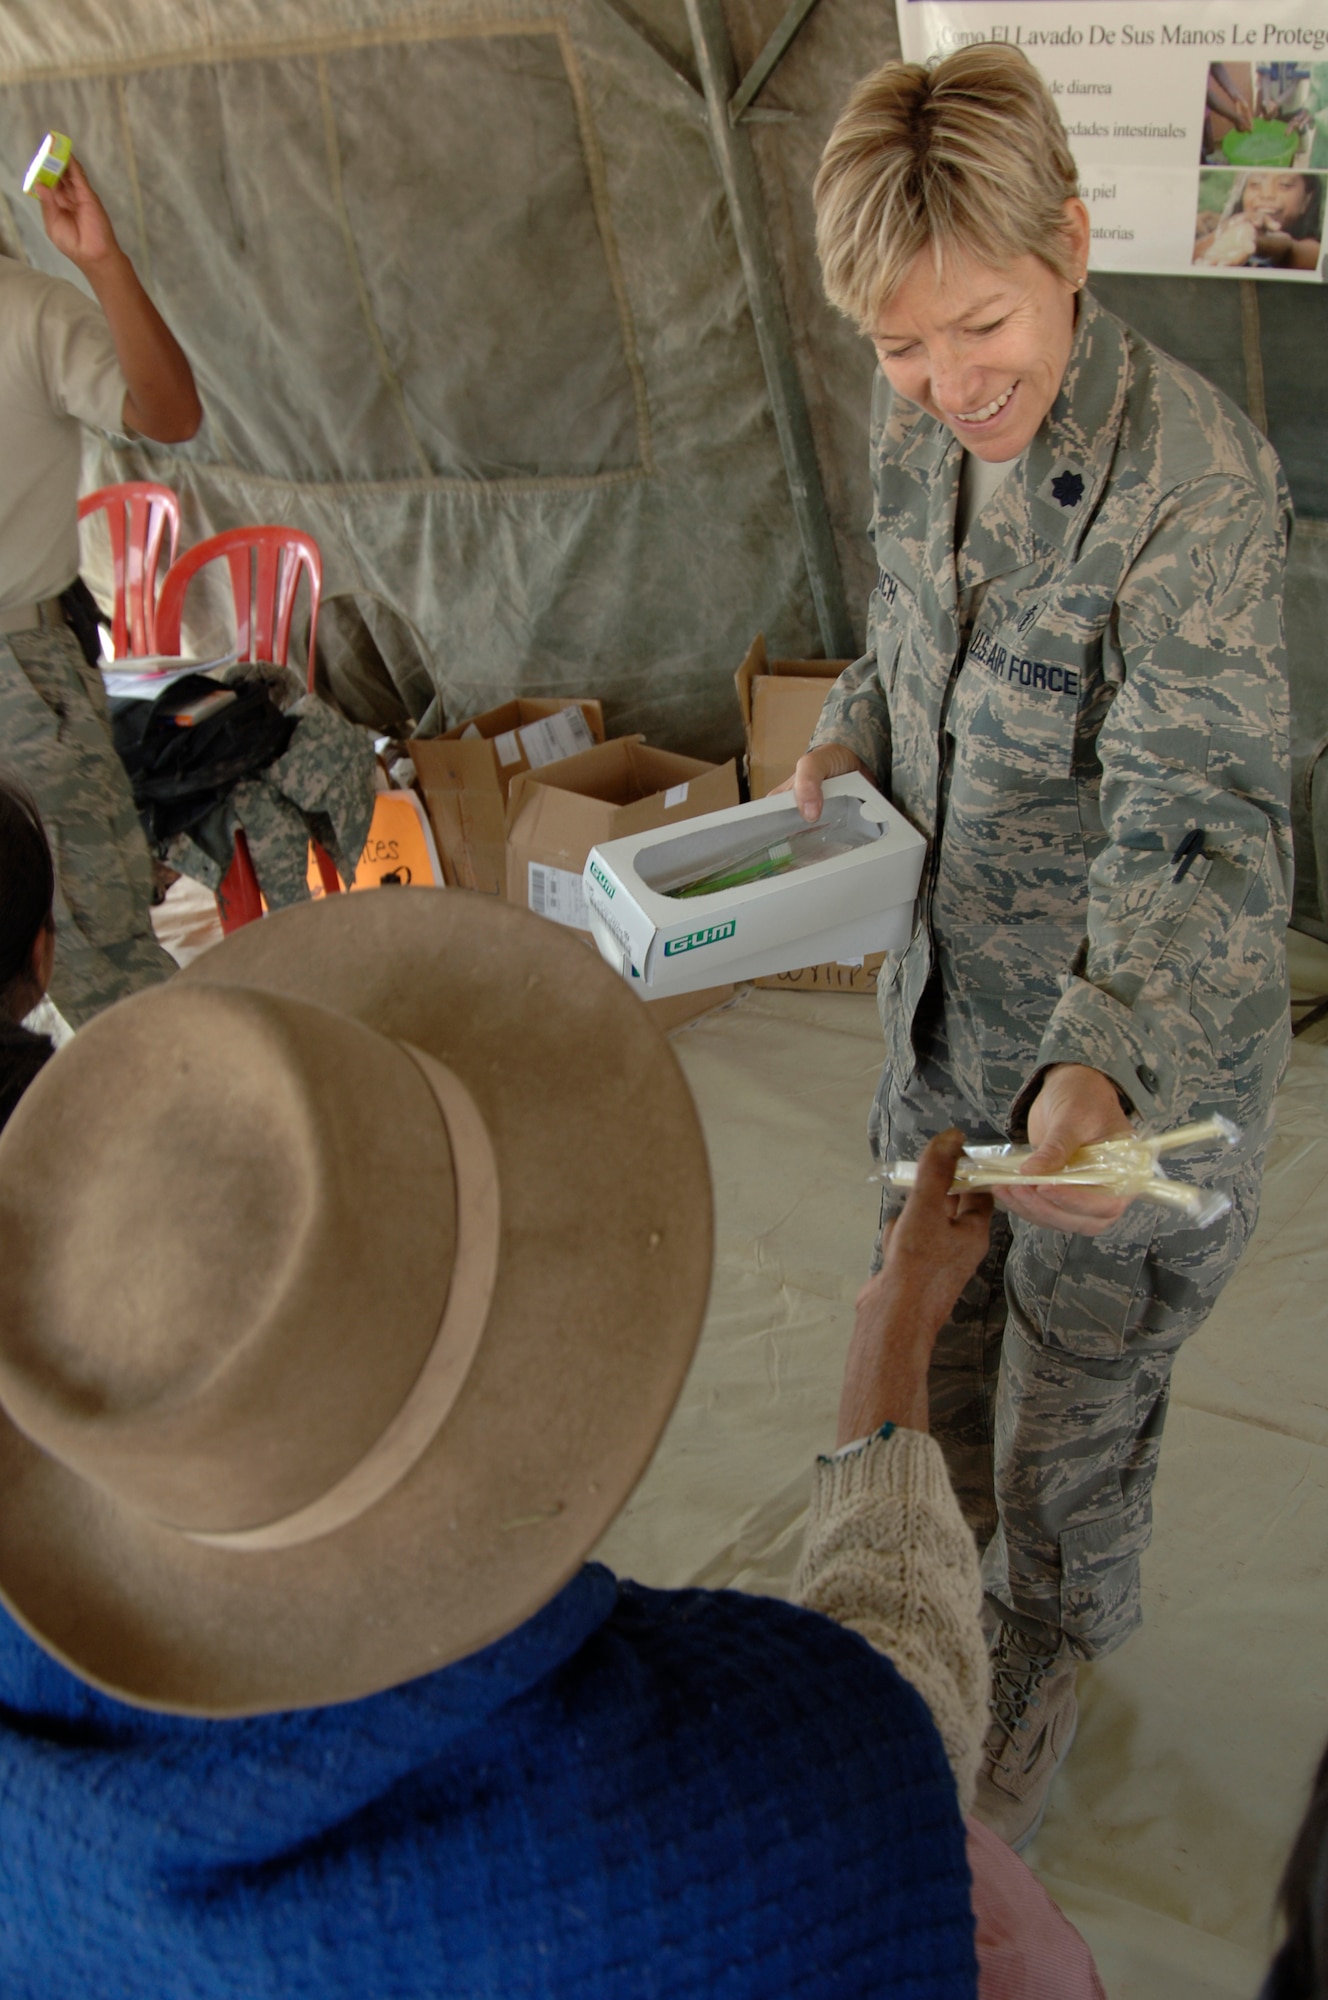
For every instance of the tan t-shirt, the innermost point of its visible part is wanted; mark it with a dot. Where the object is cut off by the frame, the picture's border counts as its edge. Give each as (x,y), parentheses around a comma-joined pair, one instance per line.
(979,478)
(58,371)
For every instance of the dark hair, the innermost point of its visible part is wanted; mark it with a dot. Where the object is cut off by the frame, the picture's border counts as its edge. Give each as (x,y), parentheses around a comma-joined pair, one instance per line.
(1308,223)
(1300,1970)
(27,879)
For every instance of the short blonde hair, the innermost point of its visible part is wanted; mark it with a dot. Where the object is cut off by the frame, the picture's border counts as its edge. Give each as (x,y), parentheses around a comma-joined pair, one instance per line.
(968,156)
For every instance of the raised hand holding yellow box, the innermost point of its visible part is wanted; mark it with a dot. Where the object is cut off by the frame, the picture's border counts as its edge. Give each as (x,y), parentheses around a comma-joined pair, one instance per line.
(48,163)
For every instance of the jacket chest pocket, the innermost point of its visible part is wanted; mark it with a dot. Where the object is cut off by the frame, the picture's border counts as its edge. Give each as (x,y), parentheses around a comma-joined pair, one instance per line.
(1014,716)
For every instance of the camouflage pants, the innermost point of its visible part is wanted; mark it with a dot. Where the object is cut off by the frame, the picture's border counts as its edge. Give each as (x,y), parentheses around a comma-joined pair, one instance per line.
(54,732)
(1049,1385)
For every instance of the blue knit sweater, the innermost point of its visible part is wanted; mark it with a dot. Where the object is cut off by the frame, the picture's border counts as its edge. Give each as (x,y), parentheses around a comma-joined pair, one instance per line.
(638,1793)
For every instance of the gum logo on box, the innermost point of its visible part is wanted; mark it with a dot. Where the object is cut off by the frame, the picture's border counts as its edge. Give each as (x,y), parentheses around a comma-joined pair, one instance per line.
(695,939)
(605,884)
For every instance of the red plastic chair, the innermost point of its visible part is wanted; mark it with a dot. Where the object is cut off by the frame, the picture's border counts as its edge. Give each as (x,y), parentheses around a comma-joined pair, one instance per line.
(138,513)
(265,566)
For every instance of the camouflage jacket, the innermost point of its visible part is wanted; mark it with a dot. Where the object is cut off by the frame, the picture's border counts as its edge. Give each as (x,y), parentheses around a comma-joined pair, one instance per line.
(322,788)
(1099,675)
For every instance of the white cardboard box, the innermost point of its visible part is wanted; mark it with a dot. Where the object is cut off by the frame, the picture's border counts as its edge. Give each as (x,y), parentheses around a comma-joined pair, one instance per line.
(834,909)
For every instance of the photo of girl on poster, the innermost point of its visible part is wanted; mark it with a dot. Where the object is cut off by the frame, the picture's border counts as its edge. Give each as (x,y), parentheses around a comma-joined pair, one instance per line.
(1261,219)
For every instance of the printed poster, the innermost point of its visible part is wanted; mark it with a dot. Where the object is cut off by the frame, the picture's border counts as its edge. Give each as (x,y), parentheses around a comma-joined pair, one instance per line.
(1200,127)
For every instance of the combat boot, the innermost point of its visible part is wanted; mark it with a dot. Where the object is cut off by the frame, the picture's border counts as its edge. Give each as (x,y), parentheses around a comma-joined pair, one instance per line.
(1033,1720)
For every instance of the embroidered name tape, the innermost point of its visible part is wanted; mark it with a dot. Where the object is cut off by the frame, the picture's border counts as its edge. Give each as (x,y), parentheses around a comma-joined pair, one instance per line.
(1018,670)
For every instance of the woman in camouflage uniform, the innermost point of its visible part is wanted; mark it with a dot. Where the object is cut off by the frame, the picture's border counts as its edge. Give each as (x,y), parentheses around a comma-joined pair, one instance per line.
(1075,688)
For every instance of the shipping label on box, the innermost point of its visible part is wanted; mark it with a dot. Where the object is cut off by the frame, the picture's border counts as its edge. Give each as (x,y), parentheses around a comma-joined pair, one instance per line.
(556,893)
(547,741)
(466,774)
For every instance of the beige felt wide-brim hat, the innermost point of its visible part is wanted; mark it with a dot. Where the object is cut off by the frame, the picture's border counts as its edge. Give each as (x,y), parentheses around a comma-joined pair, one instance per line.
(346,1284)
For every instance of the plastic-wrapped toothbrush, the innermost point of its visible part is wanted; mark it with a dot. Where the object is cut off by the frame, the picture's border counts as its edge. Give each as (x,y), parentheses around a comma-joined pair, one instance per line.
(1129,1168)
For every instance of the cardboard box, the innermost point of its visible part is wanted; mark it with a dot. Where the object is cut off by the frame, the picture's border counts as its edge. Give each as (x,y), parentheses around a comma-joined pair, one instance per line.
(857,975)
(466,774)
(556,816)
(855,901)
(781,703)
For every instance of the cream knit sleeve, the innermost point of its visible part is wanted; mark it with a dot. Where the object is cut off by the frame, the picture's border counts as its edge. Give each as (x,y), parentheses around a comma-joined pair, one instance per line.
(888,1554)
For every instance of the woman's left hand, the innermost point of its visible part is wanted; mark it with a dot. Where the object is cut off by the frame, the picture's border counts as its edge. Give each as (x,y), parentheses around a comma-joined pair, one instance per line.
(1075,1107)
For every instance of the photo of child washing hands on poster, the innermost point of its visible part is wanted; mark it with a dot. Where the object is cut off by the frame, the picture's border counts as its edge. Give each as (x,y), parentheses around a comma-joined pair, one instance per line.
(1263,219)
(1266,115)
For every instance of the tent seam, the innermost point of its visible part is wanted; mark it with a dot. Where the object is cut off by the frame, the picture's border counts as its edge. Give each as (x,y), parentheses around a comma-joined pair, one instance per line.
(441,483)
(599,195)
(207,54)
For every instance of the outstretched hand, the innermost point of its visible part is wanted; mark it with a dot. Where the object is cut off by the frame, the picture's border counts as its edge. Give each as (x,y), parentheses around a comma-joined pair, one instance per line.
(931,1251)
(75,220)
(1075,1107)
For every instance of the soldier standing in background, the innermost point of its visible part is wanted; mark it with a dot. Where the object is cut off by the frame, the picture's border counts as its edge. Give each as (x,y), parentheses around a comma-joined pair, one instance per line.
(64,363)
(1076,689)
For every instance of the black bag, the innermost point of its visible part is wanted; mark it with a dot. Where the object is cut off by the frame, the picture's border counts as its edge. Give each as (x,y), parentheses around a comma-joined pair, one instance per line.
(83,617)
(179,774)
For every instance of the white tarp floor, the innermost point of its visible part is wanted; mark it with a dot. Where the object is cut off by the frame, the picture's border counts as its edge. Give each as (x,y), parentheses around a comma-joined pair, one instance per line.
(1169,1824)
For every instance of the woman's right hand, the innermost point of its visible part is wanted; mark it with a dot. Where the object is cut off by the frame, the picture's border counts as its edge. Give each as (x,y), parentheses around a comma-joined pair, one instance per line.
(831,760)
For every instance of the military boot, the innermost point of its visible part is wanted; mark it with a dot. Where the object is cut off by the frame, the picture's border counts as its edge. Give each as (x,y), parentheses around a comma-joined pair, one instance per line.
(1033,1718)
